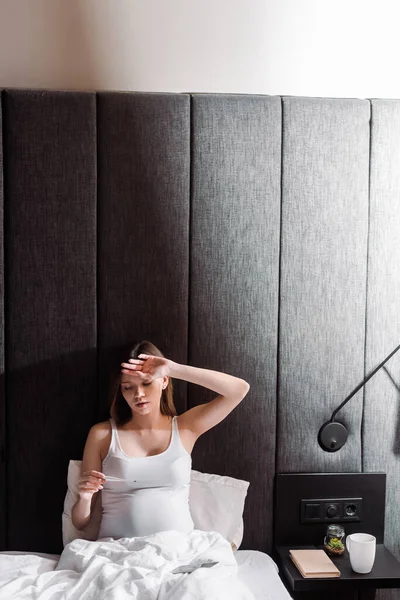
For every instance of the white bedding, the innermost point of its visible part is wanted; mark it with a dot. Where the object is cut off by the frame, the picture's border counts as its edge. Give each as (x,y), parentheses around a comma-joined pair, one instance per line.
(141,568)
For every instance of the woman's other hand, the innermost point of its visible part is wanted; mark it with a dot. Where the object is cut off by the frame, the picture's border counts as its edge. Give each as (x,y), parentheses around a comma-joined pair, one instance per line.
(90,483)
(149,368)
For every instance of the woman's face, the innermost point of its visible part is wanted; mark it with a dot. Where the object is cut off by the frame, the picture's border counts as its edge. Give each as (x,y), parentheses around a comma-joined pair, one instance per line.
(143,398)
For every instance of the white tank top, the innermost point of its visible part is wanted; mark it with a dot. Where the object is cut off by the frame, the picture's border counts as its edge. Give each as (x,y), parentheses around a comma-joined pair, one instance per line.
(145,495)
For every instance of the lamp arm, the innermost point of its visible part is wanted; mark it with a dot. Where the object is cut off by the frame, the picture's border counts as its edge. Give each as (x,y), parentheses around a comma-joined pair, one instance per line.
(362,384)
(332,434)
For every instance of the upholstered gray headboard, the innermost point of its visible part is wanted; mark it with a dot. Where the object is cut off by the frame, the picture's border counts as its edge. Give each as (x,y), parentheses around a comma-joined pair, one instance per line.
(253,234)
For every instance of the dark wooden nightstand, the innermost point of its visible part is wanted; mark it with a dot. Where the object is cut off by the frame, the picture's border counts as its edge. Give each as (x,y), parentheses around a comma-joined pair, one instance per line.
(385,574)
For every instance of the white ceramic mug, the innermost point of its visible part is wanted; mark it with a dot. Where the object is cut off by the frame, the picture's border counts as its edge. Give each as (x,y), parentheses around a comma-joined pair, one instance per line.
(361,548)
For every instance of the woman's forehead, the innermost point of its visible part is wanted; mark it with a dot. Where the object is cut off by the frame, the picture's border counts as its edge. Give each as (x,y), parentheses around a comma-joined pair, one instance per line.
(127,379)
(131,379)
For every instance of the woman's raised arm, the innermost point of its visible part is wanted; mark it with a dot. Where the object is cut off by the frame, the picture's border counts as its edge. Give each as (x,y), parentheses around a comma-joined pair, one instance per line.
(232,390)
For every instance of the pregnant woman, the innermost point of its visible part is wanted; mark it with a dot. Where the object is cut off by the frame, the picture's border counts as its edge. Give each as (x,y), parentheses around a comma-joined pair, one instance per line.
(141,457)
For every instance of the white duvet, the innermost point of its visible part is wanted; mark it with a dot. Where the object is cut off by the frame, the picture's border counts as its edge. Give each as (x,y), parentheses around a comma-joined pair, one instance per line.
(134,568)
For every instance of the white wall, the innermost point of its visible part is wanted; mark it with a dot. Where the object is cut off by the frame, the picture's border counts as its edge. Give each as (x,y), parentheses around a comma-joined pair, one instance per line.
(337,48)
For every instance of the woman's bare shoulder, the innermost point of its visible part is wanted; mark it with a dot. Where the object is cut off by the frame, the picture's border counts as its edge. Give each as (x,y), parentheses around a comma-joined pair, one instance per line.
(99,438)
(100,430)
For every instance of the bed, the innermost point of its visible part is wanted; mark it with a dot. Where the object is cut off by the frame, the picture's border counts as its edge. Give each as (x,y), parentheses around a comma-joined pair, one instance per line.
(256,570)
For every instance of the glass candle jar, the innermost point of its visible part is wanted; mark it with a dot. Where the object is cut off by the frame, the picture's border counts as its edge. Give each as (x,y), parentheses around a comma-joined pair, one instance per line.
(334,540)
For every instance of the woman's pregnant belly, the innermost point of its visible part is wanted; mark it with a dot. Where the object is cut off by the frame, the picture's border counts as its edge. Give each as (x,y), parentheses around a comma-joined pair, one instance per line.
(144,512)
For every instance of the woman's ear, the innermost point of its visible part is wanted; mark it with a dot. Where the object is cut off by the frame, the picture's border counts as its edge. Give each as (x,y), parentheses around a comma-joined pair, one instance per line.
(165,382)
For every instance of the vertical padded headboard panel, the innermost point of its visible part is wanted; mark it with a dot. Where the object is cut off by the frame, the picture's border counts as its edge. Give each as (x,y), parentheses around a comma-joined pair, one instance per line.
(325,171)
(2,383)
(143,167)
(381,431)
(236,156)
(50,270)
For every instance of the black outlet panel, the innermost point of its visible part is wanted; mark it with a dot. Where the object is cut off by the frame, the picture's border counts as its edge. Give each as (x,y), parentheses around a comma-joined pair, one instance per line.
(334,510)
(302,502)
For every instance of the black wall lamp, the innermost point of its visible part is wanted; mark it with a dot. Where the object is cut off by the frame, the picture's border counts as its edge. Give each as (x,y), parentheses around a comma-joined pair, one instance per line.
(333,435)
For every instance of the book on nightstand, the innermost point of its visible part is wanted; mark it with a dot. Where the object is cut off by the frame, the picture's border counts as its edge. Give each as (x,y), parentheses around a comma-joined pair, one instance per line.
(314,563)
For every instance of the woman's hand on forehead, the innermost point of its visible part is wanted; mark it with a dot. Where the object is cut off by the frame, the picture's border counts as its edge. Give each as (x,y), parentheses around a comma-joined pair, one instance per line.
(147,367)
(132,370)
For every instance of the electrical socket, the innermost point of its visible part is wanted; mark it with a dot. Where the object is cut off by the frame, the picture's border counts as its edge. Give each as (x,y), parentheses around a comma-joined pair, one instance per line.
(334,510)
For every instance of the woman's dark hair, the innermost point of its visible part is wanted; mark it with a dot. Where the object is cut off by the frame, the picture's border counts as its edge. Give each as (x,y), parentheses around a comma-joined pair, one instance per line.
(120,409)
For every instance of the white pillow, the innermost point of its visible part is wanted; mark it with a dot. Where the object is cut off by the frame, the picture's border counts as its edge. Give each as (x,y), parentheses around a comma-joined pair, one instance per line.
(216,503)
